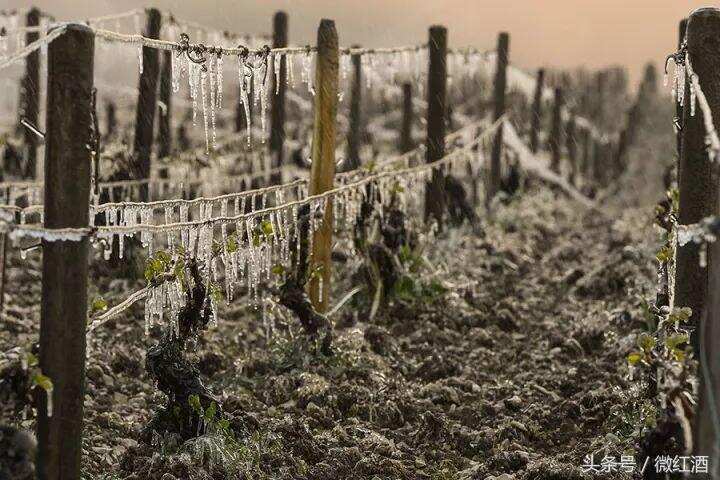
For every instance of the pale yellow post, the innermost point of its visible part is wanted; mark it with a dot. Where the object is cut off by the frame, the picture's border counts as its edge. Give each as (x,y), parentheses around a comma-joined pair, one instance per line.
(323,156)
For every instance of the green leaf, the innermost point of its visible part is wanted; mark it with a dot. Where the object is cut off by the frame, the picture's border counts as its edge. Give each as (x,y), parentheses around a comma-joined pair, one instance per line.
(266,227)
(224,425)
(99,305)
(215,292)
(195,405)
(635,357)
(682,314)
(675,340)
(664,255)
(210,412)
(232,244)
(646,342)
(31,359)
(278,269)
(43,382)
(162,257)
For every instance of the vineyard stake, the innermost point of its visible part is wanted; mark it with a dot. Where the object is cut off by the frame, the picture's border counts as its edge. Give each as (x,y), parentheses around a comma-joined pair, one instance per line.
(147,104)
(586,168)
(165,109)
(406,141)
(436,118)
(556,132)
(536,116)
(353,144)
(31,95)
(696,287)
(323,156)
(277,112)
(500,85)
(65,263)
(111,120)
(571,147)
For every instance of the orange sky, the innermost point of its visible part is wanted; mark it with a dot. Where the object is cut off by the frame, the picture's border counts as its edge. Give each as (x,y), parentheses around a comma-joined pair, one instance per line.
(561,33)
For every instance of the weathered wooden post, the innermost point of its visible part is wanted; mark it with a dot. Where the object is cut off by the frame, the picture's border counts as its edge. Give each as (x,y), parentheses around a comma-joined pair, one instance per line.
(147,104)
(406,142)
(586,155)
(65,263)
(165,106)
(537,111)
(556,133)
(500,85)
(697,287)
(353,144)
(277,113)
(571,148)
(31,95)
(110,118)
(323,156)
(436,105)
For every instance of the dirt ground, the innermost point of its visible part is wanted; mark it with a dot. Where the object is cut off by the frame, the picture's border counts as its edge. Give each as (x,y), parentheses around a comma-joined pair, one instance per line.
(509,366)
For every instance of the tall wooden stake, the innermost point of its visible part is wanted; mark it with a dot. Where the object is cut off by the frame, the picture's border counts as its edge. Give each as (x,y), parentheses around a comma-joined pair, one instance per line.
(277,113)
(147,103)
(406,142)
(65,263)
(165,109)
(436,109)
(353,144)
(571,147)
(500,85)
(536,117)
(556,133)
(697,287)
(31,95)
(323,155)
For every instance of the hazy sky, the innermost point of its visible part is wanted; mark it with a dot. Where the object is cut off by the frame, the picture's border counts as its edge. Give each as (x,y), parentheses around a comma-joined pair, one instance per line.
(561,33)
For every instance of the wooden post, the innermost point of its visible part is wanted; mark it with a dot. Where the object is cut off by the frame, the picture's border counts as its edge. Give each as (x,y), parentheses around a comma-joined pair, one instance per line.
(406,142)
(65,263)
(500,84)
(111,119)
(697,287)
(147,104)
(31,95)
(165,107)
(436,101)
(586,168)
(597,161)
(600,109)
(571,147)
(353,144)
(556,133)
(537,111)
(323,155)
(277,125)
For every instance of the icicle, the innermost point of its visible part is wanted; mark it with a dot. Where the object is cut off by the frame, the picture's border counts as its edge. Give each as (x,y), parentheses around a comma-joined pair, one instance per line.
(290,72)
(176,72)
(203,94)
(219,94)
(192,72)
(213,99)
(244,101)
(140,57)
(277,63)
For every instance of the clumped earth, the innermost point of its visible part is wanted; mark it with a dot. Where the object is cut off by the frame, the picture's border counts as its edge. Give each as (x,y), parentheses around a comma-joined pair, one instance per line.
(510,367)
